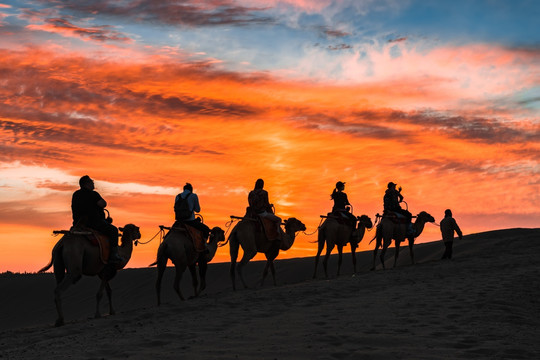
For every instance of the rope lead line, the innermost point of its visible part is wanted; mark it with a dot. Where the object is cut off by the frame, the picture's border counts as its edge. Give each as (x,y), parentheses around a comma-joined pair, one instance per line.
(318,227)
(160,232)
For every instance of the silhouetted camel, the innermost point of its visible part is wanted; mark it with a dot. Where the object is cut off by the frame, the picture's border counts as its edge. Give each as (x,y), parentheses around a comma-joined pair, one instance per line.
(178,246)
(388,230)
(245,234)
(74,256)
(339,234)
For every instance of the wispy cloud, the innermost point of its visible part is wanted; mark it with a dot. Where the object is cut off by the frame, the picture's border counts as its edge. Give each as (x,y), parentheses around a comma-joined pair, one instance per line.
(174,12)
(339,47)
(66,28)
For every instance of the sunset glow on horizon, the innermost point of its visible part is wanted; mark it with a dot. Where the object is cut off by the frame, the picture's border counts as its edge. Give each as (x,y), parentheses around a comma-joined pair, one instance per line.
(148,96)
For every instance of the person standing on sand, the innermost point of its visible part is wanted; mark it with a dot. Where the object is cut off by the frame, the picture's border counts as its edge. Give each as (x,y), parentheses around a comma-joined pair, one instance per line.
(448,226)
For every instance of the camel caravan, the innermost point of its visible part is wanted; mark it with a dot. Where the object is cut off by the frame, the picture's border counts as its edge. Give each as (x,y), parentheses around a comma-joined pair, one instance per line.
(90,246)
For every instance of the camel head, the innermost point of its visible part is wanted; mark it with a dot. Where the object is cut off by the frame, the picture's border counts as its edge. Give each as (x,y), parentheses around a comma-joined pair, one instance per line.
(217,235)
(130,232)
(425,217)
(294,225)
(366,221)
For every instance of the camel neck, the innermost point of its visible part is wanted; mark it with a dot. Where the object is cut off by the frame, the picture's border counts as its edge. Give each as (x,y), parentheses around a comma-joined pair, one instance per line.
(419,227)
(125,249)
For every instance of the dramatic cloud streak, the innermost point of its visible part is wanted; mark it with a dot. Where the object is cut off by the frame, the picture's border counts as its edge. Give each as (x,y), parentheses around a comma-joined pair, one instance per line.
(171,12)
(64,27)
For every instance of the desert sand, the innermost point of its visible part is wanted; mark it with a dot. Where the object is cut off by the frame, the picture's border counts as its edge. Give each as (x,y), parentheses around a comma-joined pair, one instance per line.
(482,304)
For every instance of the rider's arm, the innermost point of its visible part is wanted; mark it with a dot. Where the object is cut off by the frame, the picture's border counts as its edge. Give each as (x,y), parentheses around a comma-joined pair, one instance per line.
(196,206)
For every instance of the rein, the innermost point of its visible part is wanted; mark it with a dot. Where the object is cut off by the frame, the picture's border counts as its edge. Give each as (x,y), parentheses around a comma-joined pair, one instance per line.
(318,227)
(160,232)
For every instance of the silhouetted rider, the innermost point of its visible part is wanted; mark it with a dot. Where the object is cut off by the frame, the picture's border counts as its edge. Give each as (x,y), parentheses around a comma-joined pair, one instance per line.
(341,203)
(392,199)
(260,205)
(88,209)
(186,204)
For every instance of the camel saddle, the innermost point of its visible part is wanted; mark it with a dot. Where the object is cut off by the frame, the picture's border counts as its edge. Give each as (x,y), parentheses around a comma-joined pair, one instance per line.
(263,225)
(396,218)
(194,234)
(95,237)
(270,229)
(341,219)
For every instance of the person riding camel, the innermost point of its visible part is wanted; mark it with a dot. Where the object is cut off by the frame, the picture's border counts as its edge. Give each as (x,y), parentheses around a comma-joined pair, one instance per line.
(186,204)
(88,209)
(259,204)
(391,202)
(342,206)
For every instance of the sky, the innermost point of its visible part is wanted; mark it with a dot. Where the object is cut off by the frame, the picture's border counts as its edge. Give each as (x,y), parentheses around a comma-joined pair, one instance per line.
(440,97)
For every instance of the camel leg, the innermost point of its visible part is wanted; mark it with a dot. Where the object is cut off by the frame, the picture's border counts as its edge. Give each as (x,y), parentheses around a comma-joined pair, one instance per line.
(340,258)
(273,272)
(203,266)
(411,244)
(378,243)
(194,281)
(353,254)
(329,248)
(179,271)
(375,256)
(270,256)
(398,243)
(161,266)
(99,295)
(109,295)
(265,272)
(248,255)
(233,251)
(320,248)
(386,244)
(60,288)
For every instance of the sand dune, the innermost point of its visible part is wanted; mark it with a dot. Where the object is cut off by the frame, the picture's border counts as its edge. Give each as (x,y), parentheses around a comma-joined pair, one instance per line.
(483,304)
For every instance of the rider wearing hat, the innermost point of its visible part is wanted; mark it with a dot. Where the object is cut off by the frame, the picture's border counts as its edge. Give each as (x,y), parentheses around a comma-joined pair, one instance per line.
(391,202)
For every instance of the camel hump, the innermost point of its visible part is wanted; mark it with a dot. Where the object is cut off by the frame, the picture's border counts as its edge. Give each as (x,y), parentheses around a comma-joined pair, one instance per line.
(193,233)
(94,237)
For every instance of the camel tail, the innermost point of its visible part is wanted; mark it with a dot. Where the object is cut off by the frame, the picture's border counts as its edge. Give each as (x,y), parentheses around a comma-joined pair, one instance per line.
(161,254)
(234,246)
(377,233)
(47,267)
(56,248)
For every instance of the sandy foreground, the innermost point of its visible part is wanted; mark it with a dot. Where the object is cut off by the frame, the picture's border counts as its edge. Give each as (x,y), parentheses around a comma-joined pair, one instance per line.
(483,304)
